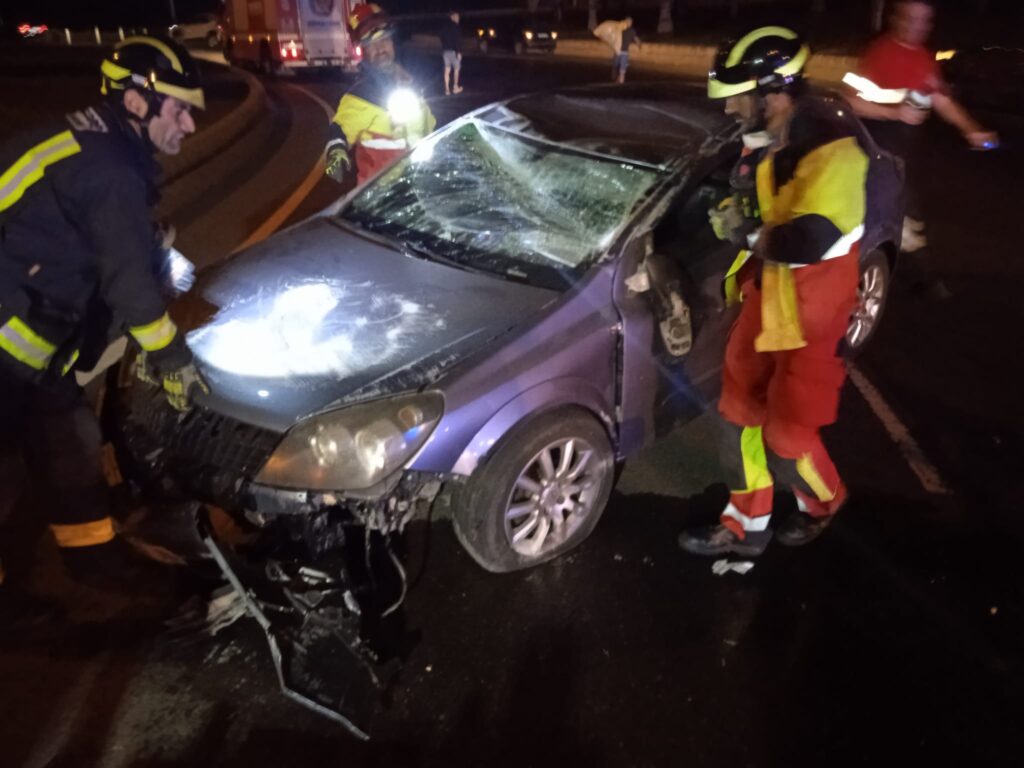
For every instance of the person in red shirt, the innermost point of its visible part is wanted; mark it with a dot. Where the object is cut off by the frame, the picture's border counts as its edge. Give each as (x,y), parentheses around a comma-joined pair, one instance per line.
(900,59)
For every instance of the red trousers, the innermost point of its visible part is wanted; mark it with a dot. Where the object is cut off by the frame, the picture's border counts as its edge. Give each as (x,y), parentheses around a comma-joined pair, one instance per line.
(774,403)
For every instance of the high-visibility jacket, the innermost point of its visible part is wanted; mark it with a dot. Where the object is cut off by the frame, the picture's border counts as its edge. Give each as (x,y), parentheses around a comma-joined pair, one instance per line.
(78,252)
(377,120)
(811,193)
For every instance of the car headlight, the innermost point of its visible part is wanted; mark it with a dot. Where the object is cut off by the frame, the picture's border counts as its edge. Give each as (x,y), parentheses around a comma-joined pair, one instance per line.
(353,448)
(528,35)
(554,35)
(490,33)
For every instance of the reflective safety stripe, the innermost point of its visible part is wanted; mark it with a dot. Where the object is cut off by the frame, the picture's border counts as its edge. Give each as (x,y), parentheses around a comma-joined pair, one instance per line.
(753,524)
(840,247)
(25,345)
(31,166)
(806,469)
(70,363)
(755,461)
(731,285)
(385,143)
(154,336)
(84,534)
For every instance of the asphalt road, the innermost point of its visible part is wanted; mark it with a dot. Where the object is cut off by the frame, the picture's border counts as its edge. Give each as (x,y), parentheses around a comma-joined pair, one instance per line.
(895,638)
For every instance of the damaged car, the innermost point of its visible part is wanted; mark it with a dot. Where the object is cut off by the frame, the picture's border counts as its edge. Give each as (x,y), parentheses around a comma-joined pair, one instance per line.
(486,330)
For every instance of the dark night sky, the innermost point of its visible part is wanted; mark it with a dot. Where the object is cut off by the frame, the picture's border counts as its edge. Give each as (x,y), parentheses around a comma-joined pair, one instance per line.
(103,12)
(107,12)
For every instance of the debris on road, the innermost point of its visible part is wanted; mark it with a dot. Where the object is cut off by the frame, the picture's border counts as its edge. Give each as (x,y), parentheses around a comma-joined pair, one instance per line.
(722,567)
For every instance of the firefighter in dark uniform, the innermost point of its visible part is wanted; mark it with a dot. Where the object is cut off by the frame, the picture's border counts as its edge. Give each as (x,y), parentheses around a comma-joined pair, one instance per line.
(81,262)
(382,115)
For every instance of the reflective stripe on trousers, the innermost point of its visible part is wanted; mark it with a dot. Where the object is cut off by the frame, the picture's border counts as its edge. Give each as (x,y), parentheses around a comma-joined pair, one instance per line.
(83,534)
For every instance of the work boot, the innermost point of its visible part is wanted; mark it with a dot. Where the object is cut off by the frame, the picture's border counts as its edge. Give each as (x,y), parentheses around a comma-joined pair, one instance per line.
(720,540)
(800,528)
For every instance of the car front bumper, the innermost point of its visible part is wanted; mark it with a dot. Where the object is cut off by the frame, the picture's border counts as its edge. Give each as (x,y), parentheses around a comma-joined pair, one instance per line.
(209,457)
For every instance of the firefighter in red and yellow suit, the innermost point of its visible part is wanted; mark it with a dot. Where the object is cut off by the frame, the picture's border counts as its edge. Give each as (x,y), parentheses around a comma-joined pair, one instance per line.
(798,286)
(382,115)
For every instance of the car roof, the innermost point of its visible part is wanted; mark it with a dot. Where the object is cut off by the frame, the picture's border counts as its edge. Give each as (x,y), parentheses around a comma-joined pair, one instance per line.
(667,124)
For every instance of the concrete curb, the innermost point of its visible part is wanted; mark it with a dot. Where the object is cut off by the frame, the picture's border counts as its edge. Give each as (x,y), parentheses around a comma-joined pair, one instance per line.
(691,60)
(201,147)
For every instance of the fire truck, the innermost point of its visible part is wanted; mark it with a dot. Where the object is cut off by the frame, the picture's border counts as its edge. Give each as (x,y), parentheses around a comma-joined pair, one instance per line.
(277,35)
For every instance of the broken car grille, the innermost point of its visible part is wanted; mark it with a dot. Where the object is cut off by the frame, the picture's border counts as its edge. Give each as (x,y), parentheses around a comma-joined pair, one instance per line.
(205,450)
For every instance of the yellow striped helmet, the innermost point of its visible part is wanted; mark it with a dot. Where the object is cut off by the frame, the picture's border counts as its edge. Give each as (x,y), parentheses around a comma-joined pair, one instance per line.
(155,66)
(768,60)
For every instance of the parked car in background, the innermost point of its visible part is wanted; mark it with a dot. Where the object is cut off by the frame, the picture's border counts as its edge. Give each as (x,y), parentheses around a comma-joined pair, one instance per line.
(205,27)
(519,34)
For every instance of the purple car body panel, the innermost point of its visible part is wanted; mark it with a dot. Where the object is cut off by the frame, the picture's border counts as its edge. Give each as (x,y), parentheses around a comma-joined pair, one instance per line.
(565,357)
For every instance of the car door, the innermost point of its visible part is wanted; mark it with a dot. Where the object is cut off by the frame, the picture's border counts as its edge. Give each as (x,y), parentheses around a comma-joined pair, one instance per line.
(684,264)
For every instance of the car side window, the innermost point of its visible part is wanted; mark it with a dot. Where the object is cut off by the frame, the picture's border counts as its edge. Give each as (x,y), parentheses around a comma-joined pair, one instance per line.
(684,234)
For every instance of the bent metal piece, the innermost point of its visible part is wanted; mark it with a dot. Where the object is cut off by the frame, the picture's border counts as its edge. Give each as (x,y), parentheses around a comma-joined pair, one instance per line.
(283,651)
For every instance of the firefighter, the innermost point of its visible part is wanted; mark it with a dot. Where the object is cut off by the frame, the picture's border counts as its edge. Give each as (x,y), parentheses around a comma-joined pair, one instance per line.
(81,262)
(381,115)
(798,283)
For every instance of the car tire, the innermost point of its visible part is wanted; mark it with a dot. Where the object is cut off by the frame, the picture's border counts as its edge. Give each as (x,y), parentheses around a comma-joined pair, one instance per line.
(501,542)
(213,39)
(872,295)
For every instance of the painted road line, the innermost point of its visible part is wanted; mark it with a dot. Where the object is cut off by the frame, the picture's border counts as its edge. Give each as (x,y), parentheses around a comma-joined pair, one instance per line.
(926,472)
(316,173)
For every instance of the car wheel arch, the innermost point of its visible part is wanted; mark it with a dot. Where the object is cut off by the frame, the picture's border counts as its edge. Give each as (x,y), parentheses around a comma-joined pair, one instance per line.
(529,404)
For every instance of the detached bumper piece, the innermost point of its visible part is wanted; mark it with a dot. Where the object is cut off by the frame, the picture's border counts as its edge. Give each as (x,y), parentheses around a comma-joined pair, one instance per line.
(312,623)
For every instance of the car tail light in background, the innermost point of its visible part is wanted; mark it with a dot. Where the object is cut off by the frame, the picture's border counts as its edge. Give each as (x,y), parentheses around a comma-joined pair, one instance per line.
(32,30)
(292,51)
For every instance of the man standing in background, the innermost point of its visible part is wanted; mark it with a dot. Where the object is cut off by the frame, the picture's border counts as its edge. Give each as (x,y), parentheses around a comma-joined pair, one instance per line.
(619,36)
(901,60)
(451,52)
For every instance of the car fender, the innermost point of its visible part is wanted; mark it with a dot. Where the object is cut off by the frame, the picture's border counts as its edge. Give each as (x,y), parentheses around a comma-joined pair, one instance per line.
(554,393)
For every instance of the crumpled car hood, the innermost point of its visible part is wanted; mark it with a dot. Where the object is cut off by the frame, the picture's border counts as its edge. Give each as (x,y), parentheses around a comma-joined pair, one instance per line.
(318,314)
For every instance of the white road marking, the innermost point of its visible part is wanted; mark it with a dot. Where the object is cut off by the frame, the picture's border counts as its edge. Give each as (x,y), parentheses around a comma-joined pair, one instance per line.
(926,472)
(278,217)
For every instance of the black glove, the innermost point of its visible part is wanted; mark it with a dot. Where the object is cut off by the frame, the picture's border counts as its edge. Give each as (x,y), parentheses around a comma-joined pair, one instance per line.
(338,163)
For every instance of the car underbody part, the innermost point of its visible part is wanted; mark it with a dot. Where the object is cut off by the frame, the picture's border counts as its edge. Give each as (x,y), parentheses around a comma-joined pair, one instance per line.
(318,621)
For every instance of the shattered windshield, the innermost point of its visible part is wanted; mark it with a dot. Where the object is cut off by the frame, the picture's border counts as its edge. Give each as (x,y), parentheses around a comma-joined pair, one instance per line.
(495,200)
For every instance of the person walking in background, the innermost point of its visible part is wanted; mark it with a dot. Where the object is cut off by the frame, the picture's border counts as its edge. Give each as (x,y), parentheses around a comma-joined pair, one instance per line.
(451,52)
(619,36)
(900,60)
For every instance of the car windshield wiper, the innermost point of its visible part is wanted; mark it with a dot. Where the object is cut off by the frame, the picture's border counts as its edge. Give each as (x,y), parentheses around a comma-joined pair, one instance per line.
(420,251)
